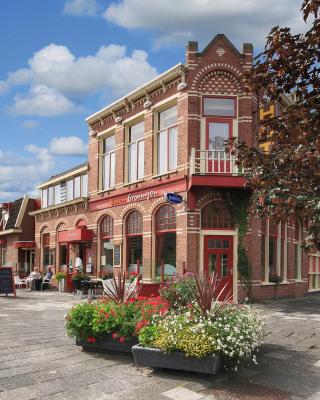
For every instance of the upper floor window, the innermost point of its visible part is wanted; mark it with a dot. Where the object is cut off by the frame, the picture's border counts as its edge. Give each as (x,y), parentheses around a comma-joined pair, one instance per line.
(167,140)
(108,162)
(219,107)
(136,152)
(65,191)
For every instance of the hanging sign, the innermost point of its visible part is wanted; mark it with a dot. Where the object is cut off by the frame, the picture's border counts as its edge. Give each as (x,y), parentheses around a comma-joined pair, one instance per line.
(173,198)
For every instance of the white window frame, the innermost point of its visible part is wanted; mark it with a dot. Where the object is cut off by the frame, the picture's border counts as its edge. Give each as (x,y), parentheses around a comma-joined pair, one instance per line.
(167,130)
(136,174)
(109,159)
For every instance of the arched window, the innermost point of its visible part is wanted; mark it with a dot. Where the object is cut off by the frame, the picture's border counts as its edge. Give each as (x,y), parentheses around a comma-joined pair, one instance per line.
(134,223)
(106,240)
(47,253)
(165,230)
(81,222)
(106,227)
(216,215)
(134,231)
(63,249)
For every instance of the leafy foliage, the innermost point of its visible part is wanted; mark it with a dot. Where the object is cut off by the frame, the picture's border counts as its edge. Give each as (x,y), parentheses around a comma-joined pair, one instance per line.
(119,291)
(230,330)
(59,276)
(179,291)
(286,181)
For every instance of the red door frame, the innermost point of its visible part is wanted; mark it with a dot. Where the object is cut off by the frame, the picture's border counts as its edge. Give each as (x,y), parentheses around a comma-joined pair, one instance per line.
(226,281)
(213,165)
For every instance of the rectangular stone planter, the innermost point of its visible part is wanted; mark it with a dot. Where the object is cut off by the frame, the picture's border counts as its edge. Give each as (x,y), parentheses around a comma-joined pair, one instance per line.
(156,358)
(108,344)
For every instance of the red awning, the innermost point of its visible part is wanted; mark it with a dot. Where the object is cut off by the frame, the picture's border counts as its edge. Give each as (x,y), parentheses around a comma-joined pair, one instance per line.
(24,245)
(75,235)
(3,242)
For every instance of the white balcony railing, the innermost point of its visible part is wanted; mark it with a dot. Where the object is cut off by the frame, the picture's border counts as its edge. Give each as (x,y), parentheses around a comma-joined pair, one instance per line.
(213,162)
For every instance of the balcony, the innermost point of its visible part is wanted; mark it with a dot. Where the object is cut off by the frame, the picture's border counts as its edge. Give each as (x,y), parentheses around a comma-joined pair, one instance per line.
(214,168)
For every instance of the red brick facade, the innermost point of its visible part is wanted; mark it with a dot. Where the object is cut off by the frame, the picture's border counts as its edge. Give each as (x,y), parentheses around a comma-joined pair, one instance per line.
(216,71)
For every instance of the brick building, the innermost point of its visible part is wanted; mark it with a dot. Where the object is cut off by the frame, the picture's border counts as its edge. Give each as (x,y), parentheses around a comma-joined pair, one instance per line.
(17,246)
(168,137)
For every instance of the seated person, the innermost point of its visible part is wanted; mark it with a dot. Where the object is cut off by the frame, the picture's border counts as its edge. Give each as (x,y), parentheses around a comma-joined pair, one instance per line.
(35,279)
(48,275)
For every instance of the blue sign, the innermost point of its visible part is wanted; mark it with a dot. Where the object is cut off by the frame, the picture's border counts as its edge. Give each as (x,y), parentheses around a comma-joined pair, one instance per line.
(173,198)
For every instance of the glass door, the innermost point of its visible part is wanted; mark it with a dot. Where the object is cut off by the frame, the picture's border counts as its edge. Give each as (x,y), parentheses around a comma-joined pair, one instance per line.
(218,132)
(218,259)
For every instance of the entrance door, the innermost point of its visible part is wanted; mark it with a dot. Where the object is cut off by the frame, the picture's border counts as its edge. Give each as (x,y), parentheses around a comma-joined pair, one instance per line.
(218,131)
(218,258)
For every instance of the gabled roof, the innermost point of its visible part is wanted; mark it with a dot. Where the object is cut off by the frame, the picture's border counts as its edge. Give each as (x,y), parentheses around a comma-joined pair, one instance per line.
(14,213)
(220,36)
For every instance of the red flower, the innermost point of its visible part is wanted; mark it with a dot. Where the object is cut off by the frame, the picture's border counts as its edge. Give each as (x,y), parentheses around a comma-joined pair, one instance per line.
(114,336)
(106,315)
(122,339)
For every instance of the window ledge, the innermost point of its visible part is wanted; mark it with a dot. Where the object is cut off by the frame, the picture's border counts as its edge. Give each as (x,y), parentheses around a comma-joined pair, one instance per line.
(134,183)
(106,190)
(268,284)
(299,281)
(165,174)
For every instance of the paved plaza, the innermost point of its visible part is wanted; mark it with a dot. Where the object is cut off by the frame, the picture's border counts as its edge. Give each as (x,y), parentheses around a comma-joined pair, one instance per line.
(37,361)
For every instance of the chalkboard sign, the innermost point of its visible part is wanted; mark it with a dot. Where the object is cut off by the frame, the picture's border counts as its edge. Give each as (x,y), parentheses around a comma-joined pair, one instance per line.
(117,254)
(7,285)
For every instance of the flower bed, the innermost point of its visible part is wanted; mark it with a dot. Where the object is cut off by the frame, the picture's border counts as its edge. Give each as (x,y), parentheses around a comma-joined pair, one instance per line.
(229,330)
(107,325)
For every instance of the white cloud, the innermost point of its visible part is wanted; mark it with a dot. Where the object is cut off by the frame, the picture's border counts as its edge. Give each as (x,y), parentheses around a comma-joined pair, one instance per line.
(20,175)
(241,20)
(68,146)
(29,124)
(42,101)
(80,8)
(57,78)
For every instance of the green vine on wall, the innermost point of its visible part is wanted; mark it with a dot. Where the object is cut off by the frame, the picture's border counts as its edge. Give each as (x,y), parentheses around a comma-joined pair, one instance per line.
(238,202)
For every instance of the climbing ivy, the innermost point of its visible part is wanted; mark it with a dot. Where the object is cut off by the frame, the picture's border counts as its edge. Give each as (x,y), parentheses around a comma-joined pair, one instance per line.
(238,203)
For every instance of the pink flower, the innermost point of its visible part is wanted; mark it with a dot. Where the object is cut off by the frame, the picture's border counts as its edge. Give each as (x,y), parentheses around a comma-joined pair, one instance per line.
(114,336)
(122,339)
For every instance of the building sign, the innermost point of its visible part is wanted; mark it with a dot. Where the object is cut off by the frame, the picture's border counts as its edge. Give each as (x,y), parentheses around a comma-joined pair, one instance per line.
(136,196)
(173,198)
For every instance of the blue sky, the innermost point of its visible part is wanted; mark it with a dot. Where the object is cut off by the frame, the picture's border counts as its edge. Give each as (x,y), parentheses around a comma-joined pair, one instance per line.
(62,60)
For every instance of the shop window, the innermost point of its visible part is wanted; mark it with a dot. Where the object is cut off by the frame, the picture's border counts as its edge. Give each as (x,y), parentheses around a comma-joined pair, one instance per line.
(108,163)
(46,255)
(219,107)
(165,223)
(216,215)
(167,140)
(106,238)
(134,241)
(274,250)
(136,152)
(298,250)
(314,271)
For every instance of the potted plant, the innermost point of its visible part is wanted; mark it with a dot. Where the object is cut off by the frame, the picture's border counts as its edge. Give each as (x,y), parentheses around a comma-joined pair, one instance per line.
(60,278)
(112,323)
(202,336)
(78,279)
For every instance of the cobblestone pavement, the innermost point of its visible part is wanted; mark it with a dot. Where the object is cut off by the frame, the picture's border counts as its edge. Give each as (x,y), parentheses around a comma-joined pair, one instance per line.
(37,361)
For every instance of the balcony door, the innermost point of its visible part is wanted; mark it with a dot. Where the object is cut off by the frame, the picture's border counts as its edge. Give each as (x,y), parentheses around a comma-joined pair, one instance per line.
(218,131)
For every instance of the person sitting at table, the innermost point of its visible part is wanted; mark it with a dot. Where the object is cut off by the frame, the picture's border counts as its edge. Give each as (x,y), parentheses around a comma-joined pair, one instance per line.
(47,276)
(35,279)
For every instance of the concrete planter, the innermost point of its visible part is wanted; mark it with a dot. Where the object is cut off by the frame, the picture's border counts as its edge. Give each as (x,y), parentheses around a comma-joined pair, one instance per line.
(156,358)
(108,344)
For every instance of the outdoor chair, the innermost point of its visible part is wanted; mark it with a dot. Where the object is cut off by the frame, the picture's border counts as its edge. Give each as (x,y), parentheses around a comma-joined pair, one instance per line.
(46,282)
(20,282)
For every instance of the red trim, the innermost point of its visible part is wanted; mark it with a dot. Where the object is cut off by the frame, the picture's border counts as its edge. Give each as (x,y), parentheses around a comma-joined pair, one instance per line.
(26,245)
(218,181)
(158,189)
(3,242)
(75,235)
(220,97)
